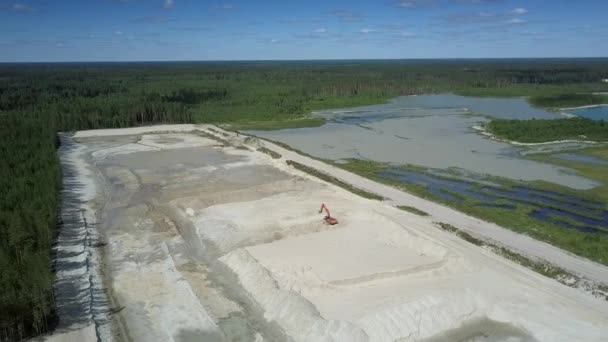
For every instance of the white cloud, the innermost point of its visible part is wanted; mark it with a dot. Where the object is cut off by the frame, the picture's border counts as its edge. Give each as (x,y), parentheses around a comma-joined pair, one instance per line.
(320,30)
(366,30)
(168,4)
(15,7)
(407,4)
(347,15)
(226,7)
(407,34)
(519,11)
(414,3)
(510,17)
(118,33)
(515,21)
(274,41)
(21,7)
(151,20)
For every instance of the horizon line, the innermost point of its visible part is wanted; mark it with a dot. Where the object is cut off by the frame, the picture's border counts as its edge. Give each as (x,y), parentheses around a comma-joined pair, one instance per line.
(300,60)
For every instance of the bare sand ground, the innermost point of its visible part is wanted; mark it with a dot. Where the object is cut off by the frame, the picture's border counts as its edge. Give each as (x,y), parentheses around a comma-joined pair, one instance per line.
(517,242)
(217,243)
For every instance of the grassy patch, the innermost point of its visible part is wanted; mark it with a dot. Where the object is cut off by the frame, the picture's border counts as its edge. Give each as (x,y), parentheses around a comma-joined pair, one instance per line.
(568,100)
(218,132)
(596,172)
(462,234)
(273,125)
(591,246)
(334,180)
(537,131)
(532,91)
(271,153)
(212,137)
(289,148)
(447,227)
(413,210)
(536,266)
(600,152)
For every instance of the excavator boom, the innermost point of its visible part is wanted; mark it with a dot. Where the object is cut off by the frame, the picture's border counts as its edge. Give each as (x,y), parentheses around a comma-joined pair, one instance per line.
(323,207)
(328,219)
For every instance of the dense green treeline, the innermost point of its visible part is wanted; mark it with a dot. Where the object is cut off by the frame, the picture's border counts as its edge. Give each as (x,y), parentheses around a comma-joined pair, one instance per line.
(568,100)
(38,100)
(29,182)
(536,131)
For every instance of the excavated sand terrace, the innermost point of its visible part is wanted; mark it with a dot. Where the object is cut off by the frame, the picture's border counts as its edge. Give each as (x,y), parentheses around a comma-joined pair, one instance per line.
(207,242)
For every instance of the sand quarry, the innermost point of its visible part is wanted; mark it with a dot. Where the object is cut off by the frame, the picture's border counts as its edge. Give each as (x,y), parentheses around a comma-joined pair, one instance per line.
(207,241)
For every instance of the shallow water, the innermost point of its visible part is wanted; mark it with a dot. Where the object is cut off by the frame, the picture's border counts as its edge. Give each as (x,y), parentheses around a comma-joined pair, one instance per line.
(560,209)
(593,113)
(582,158)
(501,108)
(432,131)
(440,187)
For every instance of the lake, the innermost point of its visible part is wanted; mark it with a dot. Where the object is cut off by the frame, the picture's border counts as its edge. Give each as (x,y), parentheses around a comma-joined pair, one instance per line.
(429,130)
(593,113)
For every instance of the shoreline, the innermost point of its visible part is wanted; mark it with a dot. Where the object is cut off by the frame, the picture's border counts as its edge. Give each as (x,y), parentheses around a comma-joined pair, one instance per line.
(584,107)
(483,131)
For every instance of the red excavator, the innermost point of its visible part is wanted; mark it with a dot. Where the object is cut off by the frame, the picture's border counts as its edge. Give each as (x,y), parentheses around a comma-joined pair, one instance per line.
(328,219)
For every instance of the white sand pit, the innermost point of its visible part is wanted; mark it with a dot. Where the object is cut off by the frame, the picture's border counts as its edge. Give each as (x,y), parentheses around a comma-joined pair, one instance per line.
(235,224)
(375,280)
(369,249)
(347,283)
(216,243)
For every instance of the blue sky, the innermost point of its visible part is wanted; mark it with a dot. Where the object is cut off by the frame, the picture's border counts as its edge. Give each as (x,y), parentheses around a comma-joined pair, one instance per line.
(135,30)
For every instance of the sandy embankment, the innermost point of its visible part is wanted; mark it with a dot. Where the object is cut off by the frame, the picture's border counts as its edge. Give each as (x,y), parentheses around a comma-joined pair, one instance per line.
(217,243)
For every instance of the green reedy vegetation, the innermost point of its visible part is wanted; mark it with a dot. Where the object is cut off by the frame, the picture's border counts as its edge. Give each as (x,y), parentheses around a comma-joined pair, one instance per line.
(38,100)
(271,153)
(589,246)
(595,172)
(274,125)
(413,210)
(538,131)
(462,234)
(532,91)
